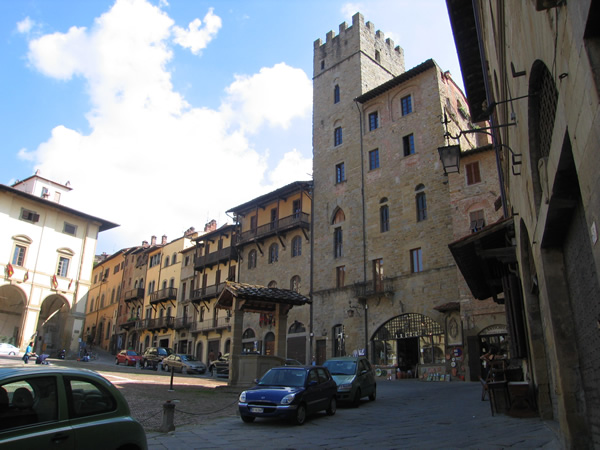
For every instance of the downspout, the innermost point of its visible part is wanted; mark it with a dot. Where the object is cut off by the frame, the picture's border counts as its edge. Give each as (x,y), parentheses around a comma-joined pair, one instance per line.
(364,219)
(311,272)
(76,291)
(495,138)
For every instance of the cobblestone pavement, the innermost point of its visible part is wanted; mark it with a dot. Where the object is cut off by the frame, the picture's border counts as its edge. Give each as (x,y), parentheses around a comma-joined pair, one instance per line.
(408,414)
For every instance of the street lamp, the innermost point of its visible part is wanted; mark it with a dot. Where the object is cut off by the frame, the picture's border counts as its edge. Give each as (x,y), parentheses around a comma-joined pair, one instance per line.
(450,157)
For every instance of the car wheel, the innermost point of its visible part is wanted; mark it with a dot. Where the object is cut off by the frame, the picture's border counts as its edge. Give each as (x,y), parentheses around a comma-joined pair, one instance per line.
(300,416)
(248,419)
(373,395)
(116,361)
(11,354)
(332,407)
(146,364)
(357,398)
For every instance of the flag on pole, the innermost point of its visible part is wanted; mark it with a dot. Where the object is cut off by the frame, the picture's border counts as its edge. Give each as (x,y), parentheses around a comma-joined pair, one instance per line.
(26,276)
(54,282)
(70,283)
(9,270)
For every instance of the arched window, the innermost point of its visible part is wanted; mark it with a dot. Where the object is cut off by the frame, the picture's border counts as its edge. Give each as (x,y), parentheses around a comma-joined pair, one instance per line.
(102,302)
(174,258)
(421,203)
(338,216)
(112,296)
(296,246)
(164,286)
(248,334)
(339,339)
(336,93)
(295,283)
(273,253)
(272,284)
(338,242)
(297,327)
(251,259)
(167,261)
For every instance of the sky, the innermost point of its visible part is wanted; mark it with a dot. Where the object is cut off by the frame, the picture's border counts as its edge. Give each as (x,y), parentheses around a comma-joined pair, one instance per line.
(164,114)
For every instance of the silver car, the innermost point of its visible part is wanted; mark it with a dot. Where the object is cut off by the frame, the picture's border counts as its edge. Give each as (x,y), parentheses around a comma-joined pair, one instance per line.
(355,378)
(50,407)
(184,364)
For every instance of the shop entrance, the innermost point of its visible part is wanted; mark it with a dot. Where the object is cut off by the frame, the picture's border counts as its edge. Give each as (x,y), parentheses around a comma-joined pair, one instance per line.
(408,355)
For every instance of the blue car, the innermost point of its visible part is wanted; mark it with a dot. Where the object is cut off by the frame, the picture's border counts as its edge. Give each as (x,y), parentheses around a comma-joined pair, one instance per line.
(290,392)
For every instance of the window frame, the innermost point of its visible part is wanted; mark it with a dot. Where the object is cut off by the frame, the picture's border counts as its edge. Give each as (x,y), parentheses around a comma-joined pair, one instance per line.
(19,259)
(374,162)
(340,276)
(472,173)
(336,94)
(337,137)
(61,271)
(296,246)
(66,225)
(273,253)
(373,120)
(384,218)
(340,173)
(406,105)
(338,241)
(252,257)
(408,144)
(416,260)
(421,205)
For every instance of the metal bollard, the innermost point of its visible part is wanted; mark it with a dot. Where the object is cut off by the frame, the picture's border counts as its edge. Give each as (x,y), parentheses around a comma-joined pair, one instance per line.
(168,423)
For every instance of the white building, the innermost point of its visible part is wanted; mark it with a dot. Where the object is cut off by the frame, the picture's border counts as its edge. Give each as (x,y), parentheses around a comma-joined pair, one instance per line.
(47,259)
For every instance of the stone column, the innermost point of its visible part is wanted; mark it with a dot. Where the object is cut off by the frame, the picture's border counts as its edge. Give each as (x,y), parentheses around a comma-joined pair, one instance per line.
(280,330)
(237,321)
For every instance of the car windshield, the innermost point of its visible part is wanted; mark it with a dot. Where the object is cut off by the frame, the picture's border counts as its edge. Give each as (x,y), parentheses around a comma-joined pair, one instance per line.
(188,358)
(131,353)
(341,367)
(290,377)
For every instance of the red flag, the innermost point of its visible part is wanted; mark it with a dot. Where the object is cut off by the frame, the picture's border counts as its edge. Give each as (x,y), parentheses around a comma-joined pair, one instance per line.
(54,282)
(26,276)
(70,283)
(9,270)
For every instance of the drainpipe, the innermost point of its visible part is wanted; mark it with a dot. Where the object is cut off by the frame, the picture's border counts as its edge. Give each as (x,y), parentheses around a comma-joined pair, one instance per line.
(364,219)
(311,274)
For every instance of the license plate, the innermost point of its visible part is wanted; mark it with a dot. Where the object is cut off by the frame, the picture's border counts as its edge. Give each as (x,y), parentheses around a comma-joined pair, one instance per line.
(257,410)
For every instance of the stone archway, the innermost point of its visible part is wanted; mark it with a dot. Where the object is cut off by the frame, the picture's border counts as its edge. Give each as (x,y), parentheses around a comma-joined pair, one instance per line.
(12,308)
(51,326)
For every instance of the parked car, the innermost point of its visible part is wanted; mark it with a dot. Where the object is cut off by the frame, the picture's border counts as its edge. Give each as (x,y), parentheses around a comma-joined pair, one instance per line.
(60,407)
(9,349)
(290,392)
(152,356)
(355,378)
(127,357)
(184,364)
(220,366)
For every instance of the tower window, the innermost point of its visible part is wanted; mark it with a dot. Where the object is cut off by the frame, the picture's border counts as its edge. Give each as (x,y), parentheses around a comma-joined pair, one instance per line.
(336,94)
(406,105)
(408,144)
(374,159)
(340,173)
(337,136)
(373,121)
(473,175)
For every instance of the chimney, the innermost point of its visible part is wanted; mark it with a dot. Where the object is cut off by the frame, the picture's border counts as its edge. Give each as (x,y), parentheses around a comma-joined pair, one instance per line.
(164,240)
(145,244)
(153,241)
(210,226)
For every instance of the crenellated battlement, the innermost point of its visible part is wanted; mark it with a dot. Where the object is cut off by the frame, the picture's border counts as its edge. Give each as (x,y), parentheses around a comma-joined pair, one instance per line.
(362,37)
(358,26)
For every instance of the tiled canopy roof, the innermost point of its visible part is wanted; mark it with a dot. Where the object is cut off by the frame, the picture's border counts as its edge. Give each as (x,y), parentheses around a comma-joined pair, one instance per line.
(259,298)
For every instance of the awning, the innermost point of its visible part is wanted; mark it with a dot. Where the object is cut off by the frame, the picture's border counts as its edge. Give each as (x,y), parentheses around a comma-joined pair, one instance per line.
(259,299)
(482,258)
(447,307)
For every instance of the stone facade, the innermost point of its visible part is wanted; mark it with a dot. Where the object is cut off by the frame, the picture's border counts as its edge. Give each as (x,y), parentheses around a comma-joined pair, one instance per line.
(547,87)
(383,175)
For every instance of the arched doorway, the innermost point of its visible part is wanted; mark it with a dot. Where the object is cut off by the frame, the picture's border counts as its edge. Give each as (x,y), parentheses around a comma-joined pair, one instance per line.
(269,343)
(249,342)
(296,342)
(52,321)
(408,341)
(199,354)
(12,307)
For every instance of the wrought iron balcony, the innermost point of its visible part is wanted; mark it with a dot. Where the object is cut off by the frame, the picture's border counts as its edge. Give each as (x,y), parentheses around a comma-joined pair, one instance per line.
(163,295)
(133,295)
(297,220)
(183,322)
(159,323)
(215,324)
(220,256)
(207,292)
(374,288)
(128,322)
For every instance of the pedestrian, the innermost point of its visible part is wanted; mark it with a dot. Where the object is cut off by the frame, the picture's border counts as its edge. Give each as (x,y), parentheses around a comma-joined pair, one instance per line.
(314,361)
(28,352)
(211,356)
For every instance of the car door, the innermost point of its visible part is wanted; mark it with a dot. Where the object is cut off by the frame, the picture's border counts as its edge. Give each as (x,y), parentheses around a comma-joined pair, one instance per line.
(312,394)
(327,388)
(33,414)
(366,378)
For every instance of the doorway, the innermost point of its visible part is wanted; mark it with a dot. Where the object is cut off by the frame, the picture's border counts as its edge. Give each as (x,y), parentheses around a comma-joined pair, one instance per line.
(408,354)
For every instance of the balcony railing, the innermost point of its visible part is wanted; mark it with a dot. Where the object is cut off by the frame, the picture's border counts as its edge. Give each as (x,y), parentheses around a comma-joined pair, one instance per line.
(159,323)
(207,292)
(183,322)
(373,289)
(215,324)
(128,322)
(296,220)
(163,295)
(223,255)
(134,294)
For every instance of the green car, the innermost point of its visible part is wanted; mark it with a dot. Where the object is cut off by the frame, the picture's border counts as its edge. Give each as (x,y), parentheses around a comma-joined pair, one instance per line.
(49,407)
(355,378)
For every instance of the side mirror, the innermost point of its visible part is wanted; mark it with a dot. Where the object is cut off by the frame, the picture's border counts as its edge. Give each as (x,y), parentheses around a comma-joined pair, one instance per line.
(313,383)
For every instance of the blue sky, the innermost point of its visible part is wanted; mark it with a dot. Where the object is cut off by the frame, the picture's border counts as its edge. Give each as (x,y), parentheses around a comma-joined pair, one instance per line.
(165,114)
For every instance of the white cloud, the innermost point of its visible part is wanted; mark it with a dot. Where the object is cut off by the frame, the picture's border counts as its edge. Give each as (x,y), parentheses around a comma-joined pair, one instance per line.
(196,38)
(25,25)
(276,95)
(152,162)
